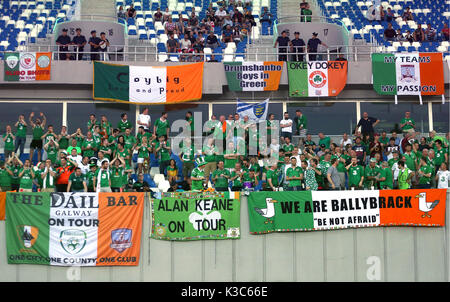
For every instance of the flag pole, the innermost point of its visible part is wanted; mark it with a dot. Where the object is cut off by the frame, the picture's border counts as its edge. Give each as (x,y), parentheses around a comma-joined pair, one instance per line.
(420,98)
(396,100)
(443,99)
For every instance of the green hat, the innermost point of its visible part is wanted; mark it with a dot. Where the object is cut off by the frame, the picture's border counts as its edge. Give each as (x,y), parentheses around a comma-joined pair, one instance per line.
(373,160)
(200,161)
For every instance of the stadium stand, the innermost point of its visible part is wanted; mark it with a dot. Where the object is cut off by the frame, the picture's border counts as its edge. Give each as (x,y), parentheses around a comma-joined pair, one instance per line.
(352,13)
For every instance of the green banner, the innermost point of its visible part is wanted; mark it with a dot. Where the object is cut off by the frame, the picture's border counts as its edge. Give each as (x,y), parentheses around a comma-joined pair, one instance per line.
(111,82)
(27,228)
(11,66)
(280,212)
(196,216)
(384,73)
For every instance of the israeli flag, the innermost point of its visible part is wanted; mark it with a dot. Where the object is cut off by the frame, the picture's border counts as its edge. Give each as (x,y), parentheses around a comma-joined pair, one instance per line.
(255,112)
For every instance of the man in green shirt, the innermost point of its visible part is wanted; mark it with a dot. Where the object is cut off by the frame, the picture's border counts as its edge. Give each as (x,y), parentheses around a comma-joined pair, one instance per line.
(385,178)
(77,182)
(404,176)
(440,155)
(90,177)
(63,139)
(210,151)
(102,179)
(355,174)
(407,124)
(301,123)
(221,177)
(48,177)
(236,178)
(14,165)
(163,151)
(343,161)
(187,157)
(8,139)
(124,123)
(26,175)
(52,150)
(198,179)
(5,177)
(273,176)
(73,145)
(425,174)
(326,140)
(92,123)
(38,132)
(161,126)
(287,146)
(370,174)
(230,156)
(294,175)
(89,146)
(21,134)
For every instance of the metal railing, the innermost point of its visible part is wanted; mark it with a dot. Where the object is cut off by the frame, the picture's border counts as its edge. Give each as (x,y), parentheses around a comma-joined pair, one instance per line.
(149,53)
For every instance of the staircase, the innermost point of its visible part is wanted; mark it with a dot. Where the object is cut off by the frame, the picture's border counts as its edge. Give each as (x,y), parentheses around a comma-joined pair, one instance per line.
(101,9)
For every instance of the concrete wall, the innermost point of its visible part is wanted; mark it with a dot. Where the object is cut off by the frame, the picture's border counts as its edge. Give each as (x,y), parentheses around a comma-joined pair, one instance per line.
(400,253)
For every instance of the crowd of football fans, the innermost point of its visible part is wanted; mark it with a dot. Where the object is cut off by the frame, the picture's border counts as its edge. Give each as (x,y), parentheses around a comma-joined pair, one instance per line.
(234,156)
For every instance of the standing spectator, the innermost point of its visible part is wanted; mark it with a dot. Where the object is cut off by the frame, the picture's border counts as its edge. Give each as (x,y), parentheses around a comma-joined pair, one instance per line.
(121,13)
(310,173)
(48,177)
(8,139)
(94,42)
(355,174)
(79,41)
(305,12)
(376,147)
(404,176)
(144,149)
(162,150)
(360,151)
(144,120)
(286,127)
(333,177)
(63,173)
(158,16)
(389,16)
(14,164)
(172,44)
(5,177)
(283,42)
(198,178)
(419,34)
(166,15)
(265,16)
(227,34)
(210,152)
(313,45)
(425,174)
(186,43)
(345,140)
(21,134)
(367,124)
(170,27)
(221,177)
(161,126)
(385,178)
(324,140)
(430,33)
(63,42)
(442,177)
(117,172)
(124,123)
(77,182)
(187,158)
(301,124)
(298,47)
(26,175)
(389,33)
(102,178)
(103,47)
(407,124)
(294,174)
(131,12)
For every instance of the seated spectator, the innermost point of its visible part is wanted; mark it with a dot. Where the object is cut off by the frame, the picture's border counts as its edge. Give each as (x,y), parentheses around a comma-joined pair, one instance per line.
(305,12)
(141,185)
(170,27)
(158,16)
(445,32)
(131,12)
(220,16)
(237,37)
(172,171)
(389,33)
(419,34)
(389,16)
(399,36)
(265,16)
(409,37)
(227,21)
(193,23)
(121,13)
(212,41)
(186,43)
(213,59)
(227,34)
(172,44)
(407,15)
(430,33)
(180,25)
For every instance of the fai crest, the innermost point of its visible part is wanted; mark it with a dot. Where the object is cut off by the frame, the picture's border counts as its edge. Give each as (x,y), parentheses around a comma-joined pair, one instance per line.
(121,239)
(12,61)
(72,241)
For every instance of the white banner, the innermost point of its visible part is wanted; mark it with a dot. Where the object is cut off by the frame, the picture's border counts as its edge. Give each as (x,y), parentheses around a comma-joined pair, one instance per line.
(147,84)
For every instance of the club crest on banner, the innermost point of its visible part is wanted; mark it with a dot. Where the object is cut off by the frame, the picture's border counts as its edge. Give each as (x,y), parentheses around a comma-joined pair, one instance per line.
(12,61)
(121,239)
(27,61)
(317,79)
(73,241)
(27,235)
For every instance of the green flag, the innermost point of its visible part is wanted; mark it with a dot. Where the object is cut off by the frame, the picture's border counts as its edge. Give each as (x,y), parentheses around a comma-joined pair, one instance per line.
(11,66)
(111,82)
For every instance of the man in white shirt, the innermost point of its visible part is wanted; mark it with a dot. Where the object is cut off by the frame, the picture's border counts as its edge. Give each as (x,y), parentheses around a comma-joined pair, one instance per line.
(286,127)
(144,120)
(345,140)
(442,177)
(75,157)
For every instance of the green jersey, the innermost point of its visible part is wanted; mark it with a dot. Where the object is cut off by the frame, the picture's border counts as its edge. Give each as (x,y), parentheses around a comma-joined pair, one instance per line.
(439,156)
(63,143)
(161,127)
(210,153)
(90,179)
(38,132)
(408,126)
(9,142)
(48,180)
(52,153)
(230,163)
(424,180)
(26,181)
(355,173)
(5,178)
(294,172)
(221,181)
(326,141)
(410,161)
(187,154)
(237,182)
(403,184)
(123,125)
(89,143)
(163,153)
(69,150)
(341,165)
(288,149)
(130,141)
(197,184)
(21,130)
(387,174)
(104,178)
(302,123)
(143,151)
(370,172)
(117,177)
(274,176)
(139,137)
(77,181)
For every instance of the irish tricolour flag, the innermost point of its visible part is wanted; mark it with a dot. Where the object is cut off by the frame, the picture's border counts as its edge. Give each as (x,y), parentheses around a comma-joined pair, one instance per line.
(253,76)
(74,229)
(27,66)
(408,73)
(316,78)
